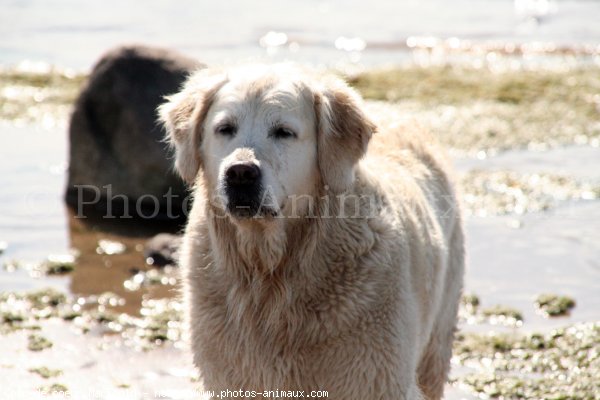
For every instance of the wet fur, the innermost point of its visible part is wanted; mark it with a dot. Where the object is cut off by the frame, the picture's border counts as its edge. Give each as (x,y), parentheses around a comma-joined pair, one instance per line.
(364,308)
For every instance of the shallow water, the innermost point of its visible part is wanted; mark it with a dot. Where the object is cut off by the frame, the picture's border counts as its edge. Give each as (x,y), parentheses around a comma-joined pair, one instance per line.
(576,162)
(87,364)
(72,33)
(36,223)
(552,253)
(514,258)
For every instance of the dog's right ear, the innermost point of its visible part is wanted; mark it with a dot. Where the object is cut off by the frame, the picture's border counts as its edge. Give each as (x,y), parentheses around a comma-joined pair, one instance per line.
(183,118)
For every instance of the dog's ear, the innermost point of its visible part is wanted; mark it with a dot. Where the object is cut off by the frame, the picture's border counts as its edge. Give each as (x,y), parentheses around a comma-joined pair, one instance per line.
(343,133)
(183,118)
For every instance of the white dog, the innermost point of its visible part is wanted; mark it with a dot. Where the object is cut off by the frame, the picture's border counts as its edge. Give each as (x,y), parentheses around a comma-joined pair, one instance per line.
(308,267)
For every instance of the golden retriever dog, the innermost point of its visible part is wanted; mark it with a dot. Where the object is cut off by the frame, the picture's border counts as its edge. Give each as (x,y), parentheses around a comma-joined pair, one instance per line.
(323,251)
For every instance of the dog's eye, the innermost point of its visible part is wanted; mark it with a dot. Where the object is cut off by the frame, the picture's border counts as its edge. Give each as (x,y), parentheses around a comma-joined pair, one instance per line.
(282,133)
(226,129)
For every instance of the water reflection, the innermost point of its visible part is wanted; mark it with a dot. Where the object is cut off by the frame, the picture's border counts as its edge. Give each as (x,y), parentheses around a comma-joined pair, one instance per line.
(97,272)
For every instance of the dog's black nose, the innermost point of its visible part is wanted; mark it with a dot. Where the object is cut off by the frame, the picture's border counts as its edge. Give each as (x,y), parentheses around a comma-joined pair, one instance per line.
(243,173)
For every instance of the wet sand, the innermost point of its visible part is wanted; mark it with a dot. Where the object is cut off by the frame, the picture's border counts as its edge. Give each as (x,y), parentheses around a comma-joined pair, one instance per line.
(93,366)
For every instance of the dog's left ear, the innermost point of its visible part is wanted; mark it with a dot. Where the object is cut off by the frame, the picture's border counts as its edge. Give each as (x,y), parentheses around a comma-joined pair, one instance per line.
(343,133)
(183,118)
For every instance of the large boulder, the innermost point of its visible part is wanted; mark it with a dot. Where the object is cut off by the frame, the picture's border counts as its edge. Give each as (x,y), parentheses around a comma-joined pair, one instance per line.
(119,165)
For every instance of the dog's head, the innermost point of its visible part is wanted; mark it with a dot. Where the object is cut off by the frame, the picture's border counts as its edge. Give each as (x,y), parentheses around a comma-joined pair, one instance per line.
(267,138)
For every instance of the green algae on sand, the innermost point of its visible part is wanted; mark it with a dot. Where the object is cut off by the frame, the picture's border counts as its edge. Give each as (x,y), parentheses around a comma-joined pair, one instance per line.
(471,312)
(503,314)
(22,310)
(53,265)
(477,110)
(455,84)
(562,364)
(469,109)
(57,264)
(38,343)
(553,305)
(161,319)
(54,389)
(35,96)
(46,372)
(502,192)
(470,301)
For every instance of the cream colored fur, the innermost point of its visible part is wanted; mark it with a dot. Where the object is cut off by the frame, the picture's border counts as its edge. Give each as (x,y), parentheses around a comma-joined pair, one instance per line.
(363,306)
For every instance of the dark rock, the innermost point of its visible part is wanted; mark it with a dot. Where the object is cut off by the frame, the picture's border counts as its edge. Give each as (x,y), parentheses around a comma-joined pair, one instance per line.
(162,249)
(119,164)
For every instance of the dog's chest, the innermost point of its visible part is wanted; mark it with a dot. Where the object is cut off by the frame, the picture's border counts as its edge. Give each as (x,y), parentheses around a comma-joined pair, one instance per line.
(259,347)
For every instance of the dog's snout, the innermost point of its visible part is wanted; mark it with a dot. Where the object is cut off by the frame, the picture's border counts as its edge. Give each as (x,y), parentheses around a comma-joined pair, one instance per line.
(243,188)
(243,173)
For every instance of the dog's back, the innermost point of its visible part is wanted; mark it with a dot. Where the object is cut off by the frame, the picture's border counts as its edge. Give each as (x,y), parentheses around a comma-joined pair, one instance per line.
(411,165)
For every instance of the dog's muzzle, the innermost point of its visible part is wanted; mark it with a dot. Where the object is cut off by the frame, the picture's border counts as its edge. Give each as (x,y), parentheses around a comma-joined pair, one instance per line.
(243,189)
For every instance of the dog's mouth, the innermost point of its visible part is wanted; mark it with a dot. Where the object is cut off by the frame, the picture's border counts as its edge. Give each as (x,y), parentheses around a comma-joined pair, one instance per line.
(244,202)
